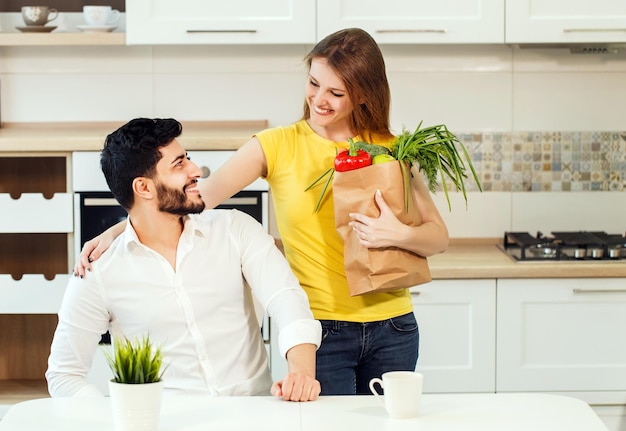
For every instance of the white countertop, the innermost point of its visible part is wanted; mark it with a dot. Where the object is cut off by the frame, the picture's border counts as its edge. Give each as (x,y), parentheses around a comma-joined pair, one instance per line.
(449,412)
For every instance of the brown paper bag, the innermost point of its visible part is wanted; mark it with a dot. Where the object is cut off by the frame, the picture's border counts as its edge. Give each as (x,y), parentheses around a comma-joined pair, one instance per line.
(380,269)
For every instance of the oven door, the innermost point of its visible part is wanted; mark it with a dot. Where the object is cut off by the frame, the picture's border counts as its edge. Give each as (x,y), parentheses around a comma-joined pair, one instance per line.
(97,211)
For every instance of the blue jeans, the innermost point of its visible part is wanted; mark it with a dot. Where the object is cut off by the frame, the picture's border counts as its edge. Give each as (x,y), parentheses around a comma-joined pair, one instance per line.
(352,353)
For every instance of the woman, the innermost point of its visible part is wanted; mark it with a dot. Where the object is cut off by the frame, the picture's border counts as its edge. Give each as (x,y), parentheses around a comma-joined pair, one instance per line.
(346,96)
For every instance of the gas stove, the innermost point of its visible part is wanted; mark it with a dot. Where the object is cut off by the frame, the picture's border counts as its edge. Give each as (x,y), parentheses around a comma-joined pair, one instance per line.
(581,246)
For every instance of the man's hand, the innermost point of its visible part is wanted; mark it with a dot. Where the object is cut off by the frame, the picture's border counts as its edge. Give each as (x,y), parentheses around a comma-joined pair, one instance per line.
(297,387)
(299,384)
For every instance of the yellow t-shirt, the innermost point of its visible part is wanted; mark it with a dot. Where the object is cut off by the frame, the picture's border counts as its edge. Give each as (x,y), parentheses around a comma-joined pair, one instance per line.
(296,157)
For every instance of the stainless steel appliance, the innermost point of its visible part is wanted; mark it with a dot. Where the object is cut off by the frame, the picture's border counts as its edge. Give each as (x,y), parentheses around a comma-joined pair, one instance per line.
(575,246)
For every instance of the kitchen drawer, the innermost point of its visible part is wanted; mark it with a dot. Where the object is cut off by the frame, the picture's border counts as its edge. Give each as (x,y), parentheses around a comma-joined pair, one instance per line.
(32,294)
(33,213)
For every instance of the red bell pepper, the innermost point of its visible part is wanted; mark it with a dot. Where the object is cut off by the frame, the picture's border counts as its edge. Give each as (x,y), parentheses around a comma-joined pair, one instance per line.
(351,159)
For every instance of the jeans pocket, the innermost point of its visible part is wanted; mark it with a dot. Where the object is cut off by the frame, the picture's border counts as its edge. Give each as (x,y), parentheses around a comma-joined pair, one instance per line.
(327,328)
(404,323)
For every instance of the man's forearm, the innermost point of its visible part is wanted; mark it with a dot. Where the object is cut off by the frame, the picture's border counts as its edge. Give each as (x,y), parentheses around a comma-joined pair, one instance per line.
(301,359)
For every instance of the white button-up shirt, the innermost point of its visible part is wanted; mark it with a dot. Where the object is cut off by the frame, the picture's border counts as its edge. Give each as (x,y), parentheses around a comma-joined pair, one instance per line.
(202,313)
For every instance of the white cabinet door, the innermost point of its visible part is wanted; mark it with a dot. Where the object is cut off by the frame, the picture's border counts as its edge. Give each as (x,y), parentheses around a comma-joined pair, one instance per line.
(565,21)
(416,21)
(154,22)
(456,321)
(562,335)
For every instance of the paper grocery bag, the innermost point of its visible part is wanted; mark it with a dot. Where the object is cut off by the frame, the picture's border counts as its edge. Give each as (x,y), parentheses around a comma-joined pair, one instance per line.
(380,269)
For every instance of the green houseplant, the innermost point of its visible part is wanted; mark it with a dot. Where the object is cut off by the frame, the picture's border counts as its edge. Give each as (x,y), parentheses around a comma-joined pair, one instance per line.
(135,362)
(136,387)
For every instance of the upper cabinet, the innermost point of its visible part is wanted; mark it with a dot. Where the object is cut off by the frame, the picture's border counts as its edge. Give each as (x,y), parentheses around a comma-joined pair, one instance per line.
(155,22)
(565,21)
(416,21)
(245,22)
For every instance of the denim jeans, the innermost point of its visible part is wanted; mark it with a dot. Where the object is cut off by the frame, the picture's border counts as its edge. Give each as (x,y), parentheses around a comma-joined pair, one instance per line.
(352,353)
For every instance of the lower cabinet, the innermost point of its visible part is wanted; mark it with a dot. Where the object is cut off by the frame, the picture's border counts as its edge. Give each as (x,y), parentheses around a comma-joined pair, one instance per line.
(457,324)
(563,335)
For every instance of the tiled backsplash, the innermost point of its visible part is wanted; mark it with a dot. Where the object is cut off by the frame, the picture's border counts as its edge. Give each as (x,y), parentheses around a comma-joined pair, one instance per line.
(548,161)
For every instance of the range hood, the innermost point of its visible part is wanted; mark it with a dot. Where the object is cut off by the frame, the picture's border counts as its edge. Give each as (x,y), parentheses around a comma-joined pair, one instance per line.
(577,48)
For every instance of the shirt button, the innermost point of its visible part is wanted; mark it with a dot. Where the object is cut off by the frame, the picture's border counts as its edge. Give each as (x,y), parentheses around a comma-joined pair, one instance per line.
(203,357)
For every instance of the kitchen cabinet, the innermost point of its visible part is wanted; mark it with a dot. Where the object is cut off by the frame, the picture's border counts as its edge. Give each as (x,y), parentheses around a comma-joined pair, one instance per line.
(563,335)
(457,324)
(565,21)
(416,21)
(36,225)
(154,22)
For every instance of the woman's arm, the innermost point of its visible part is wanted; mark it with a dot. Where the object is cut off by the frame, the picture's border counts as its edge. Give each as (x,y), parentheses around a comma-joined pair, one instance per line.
(245,166)
(93,248)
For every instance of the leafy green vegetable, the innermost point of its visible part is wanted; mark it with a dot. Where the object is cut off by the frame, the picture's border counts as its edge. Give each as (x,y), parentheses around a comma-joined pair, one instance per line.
(135,362)
(372,149)
(434,149)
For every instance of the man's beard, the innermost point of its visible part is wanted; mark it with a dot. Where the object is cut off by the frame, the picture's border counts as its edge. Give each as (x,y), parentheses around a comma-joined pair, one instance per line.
(175,201)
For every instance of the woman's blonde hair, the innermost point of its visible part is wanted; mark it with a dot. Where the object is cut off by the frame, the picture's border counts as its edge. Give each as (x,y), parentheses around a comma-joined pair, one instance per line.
(356,58)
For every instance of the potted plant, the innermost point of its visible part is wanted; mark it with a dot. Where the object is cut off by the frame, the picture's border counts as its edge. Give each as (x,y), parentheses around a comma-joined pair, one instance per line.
(136,386)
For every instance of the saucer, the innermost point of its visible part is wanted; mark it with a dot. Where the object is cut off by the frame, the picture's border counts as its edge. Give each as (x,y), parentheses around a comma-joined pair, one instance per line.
(96,28)
(36,29)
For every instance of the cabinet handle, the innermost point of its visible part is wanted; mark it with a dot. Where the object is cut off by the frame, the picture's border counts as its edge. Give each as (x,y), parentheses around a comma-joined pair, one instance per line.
(221,31)
(414,30)
(591,30)
(581,291)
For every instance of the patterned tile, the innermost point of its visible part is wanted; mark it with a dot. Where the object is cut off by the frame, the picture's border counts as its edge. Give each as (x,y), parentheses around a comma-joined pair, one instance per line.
(547,161)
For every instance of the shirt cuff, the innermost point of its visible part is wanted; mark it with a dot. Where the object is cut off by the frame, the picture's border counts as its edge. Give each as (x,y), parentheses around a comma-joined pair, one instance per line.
(302,331)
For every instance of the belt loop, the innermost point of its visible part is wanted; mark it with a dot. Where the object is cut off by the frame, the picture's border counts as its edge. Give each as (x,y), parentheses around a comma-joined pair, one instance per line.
(336,325)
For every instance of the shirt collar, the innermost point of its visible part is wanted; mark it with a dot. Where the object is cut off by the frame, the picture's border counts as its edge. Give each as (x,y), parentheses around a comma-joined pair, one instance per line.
(190,223)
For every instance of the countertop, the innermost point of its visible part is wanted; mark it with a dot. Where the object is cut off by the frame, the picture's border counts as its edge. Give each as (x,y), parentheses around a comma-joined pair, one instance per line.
(478,258)
(481,258)
(67,137)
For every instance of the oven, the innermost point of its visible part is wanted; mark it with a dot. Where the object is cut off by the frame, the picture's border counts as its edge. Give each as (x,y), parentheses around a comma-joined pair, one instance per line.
(95,208)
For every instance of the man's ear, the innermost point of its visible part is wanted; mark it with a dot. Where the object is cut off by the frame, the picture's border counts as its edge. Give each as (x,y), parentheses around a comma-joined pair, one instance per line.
(143,188)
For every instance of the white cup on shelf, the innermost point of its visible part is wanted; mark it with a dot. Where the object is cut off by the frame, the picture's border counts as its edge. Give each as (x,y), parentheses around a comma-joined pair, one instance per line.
(100,16)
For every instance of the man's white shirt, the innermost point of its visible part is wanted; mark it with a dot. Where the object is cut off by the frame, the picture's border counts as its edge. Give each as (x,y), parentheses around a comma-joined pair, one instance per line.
(202,313)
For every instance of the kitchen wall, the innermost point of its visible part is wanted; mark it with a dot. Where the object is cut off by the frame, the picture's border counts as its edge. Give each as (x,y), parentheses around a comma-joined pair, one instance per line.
(542,123)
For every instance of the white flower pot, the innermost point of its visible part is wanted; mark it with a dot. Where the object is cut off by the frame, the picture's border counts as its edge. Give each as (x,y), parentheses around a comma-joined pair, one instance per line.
(136,407)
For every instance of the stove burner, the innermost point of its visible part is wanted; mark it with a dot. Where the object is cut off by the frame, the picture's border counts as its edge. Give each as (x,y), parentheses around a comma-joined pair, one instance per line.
(567,246)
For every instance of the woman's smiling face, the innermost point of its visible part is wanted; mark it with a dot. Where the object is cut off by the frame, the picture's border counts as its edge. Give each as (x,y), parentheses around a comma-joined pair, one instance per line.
(329,103)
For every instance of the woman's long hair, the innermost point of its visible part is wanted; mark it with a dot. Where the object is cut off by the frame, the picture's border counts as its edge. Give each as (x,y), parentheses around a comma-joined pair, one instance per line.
(356,58)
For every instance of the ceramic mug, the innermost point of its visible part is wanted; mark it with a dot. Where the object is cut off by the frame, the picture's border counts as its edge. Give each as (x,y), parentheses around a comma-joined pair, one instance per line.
(402,393)
(100,16)
(38,15)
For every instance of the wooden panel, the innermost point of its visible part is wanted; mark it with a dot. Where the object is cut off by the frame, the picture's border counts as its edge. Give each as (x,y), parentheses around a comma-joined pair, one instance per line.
(61,5)
(25,341)
(16,391)
(42,253)
(45,175)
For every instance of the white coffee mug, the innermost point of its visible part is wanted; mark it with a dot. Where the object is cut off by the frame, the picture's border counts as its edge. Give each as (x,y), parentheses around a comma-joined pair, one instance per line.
(100,15)
(402,393)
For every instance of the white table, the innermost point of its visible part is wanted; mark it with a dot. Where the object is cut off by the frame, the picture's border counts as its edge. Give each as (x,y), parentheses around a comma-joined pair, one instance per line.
(180,413)
(449,412)
(452,412)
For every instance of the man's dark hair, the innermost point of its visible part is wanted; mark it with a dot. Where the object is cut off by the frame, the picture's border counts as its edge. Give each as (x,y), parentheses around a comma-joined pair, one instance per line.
(133,151)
